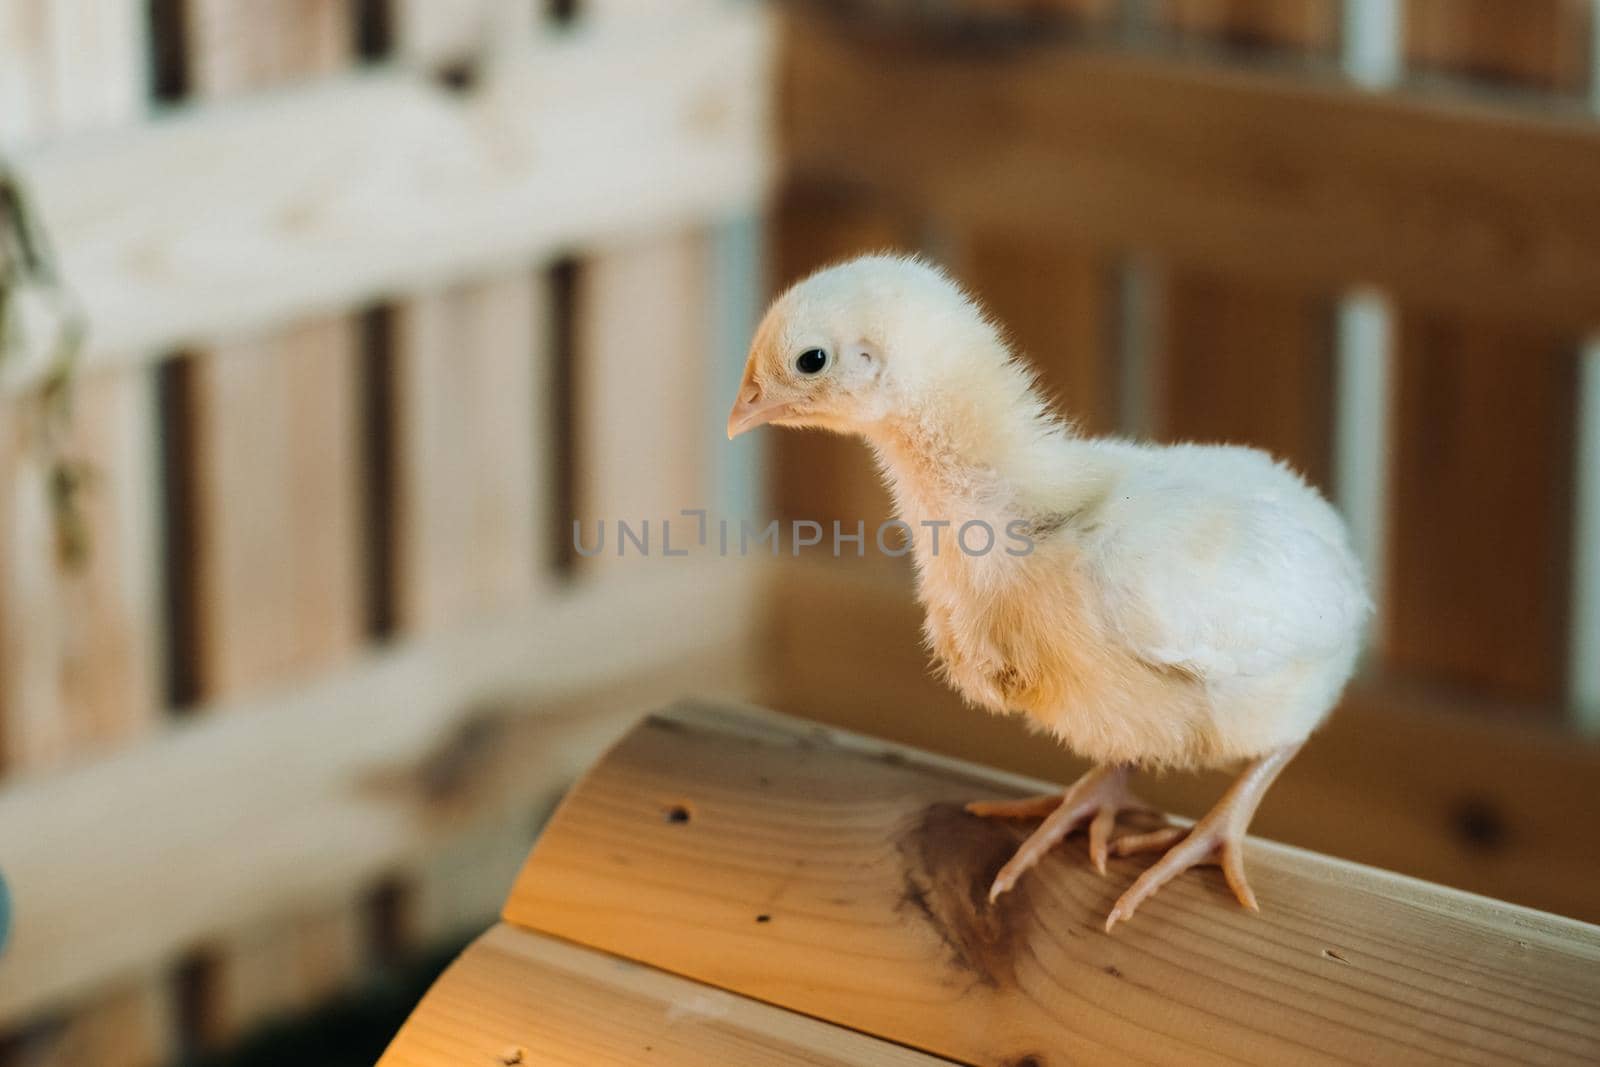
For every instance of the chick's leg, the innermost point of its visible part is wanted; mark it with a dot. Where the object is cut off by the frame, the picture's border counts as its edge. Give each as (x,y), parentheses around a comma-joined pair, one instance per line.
(1097,797)
(1217,838)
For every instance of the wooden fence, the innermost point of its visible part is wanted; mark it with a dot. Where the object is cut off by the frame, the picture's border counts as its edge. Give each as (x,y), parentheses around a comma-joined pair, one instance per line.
(335,257)
(384,294)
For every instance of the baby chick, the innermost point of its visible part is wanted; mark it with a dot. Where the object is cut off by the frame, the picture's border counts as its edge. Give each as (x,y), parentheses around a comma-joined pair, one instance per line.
(1177,607)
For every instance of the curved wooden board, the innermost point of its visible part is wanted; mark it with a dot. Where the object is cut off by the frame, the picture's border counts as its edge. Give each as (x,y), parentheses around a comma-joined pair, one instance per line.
(840,877)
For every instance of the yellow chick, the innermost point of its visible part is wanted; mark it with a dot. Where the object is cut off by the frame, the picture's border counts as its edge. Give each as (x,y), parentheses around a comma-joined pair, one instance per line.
(1177,607)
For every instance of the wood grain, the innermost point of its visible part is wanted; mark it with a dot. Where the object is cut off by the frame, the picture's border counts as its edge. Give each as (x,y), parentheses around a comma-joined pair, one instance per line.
(1310,185)
(370,768)
(516,994)
(383,182)
(1485,415)
(870,876)
(1462,793)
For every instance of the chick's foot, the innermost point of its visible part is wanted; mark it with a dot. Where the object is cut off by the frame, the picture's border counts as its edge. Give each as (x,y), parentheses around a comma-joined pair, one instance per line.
(1096,798)
(1218,838)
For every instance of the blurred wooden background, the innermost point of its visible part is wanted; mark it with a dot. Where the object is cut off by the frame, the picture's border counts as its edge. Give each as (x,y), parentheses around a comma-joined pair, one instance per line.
(385,293)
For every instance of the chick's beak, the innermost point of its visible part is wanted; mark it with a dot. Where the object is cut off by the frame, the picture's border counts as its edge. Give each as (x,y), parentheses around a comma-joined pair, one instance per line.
(750,410)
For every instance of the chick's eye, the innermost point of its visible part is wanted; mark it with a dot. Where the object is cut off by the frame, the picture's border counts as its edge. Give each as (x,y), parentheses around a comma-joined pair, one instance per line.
(811,361)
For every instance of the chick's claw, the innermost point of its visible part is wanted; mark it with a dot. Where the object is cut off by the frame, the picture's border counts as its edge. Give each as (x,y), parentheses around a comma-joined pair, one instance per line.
(1202,845)
(1217,838)
(1096,798)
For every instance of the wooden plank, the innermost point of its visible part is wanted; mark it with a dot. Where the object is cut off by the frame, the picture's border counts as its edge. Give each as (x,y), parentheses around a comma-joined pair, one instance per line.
(1302,26)
(518,997)
(1484,414)
(369,767)
(383,183)
(1249,362)
(819,477)
(275,463)
(1057,302)
(78,646)
(79,641)
(1485,411)
(471,371)
(1309,184)
(870,878)
(276,468)
(1461,798)
(434,34)
(472,460)
(642,385)
(1540,45)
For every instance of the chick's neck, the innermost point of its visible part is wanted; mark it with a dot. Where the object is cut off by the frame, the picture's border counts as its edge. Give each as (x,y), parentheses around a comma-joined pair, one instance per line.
(988,449)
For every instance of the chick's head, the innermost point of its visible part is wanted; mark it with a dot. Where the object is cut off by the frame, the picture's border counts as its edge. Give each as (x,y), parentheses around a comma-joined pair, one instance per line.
(852,344)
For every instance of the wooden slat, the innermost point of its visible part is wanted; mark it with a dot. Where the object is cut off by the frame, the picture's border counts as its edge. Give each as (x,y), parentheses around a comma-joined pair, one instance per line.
(870,877)
(642,392)
(1248,362)
(1484,414)
(313,791)
(515,994)
(276,468)
(383,182)
(1398,779)
(1540,44)
(471,377)
(1312,185)
(473,446)
(275,453)
(79,643)
(1057,302)
(1478,559)
(78,646)
(823,477)
(1310,26)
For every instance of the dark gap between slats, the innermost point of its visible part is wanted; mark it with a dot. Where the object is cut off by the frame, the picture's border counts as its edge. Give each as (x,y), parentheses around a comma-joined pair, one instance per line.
(374,29)
(379,481)
(196,994)
(168,41)
(178,472)
(562,279)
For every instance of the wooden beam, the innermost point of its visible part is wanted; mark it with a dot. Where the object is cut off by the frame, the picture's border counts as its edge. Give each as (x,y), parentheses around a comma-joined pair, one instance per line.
(840,877)
(230,217)
(1398,778)
(114,867)
(1457,206)
(515,997)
